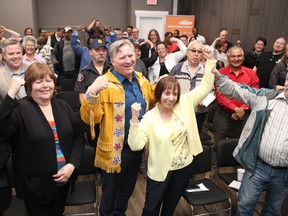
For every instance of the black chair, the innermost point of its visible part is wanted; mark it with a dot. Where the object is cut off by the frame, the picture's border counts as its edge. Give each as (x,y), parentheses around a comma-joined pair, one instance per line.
(71,98)
(85,190)
(214,196)
(17,206)
(225,158)
(67,84)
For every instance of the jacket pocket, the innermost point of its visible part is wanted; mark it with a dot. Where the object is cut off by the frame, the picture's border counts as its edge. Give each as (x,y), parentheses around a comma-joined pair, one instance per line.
(104,146)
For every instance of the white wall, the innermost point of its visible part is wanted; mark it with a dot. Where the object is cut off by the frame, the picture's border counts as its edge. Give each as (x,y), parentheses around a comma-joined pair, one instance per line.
(18,14)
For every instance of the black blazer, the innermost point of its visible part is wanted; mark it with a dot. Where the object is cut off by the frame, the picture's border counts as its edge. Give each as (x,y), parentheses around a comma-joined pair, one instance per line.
(33,145)
(53,40)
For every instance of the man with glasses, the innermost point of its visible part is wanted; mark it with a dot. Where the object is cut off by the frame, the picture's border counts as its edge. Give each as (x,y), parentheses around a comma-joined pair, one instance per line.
(189,75)
(232,114)
(135,37)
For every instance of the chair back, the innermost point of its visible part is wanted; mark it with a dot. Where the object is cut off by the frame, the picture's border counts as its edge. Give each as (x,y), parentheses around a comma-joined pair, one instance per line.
(67,84)
(71,97)
(225,150)
(87,163)
(202,162)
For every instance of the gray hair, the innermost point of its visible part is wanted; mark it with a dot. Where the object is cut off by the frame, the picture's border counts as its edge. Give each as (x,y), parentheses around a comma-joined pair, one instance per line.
(114,47)
(195,42)
(234,48)
(8,42)
(29,38)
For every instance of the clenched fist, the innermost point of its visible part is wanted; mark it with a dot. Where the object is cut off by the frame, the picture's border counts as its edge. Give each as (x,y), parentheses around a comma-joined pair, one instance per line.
(135,109)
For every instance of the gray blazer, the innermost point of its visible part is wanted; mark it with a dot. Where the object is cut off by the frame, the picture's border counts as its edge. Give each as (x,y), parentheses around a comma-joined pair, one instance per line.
(5,82)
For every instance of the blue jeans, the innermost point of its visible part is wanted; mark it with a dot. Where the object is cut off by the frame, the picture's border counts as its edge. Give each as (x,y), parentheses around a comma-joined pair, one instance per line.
(265,176)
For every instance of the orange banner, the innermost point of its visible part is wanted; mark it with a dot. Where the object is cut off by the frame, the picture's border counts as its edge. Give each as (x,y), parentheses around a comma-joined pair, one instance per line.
(184,24)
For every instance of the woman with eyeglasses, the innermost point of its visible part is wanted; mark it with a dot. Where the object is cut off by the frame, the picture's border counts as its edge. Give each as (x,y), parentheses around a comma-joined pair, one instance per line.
(166,61)
(220,52)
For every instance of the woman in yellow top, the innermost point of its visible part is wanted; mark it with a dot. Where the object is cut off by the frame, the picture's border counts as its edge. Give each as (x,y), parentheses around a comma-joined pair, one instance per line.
(170,132)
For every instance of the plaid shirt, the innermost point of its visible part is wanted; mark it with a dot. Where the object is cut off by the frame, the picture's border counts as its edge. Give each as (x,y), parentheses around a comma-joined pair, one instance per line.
(274,143)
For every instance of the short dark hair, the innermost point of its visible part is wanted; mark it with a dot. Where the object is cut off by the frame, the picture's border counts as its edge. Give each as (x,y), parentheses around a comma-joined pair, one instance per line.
(167,83)
(137,46)
(161,43)
(168,33)
(262,39)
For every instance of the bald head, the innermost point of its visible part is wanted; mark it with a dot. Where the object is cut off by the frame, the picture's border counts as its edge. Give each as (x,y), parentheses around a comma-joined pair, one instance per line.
(223,35)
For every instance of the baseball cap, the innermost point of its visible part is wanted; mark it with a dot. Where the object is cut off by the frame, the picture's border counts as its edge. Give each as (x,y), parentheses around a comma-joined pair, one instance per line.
(96,43)
(68,29)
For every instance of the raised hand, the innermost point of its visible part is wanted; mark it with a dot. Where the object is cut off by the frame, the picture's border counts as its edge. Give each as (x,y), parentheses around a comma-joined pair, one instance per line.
(216,73)
(98,85)
(135,109)
(174,40)
(208,52)
(15,86)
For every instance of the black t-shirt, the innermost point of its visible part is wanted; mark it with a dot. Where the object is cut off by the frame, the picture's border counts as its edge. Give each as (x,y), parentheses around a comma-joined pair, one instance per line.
(265,65)
(163,69)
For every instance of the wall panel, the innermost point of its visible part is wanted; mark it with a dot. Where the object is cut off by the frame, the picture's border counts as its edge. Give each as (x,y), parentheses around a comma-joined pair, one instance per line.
(244,20)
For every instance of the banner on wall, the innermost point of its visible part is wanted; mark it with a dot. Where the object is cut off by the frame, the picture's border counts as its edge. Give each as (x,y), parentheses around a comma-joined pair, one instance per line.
(184,24)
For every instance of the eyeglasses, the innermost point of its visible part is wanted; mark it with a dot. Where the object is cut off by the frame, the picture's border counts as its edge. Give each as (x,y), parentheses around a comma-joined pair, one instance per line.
(196,51)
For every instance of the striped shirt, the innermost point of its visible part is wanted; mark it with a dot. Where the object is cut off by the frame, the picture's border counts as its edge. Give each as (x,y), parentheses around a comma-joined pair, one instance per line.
(59,154)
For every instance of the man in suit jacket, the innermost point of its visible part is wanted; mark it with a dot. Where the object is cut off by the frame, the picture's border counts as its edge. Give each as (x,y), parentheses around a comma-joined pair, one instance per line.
(135,37)
(12,53)
(57,36)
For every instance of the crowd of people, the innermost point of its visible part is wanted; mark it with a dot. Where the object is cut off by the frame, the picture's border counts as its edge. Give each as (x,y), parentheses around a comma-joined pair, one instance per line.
(141,106)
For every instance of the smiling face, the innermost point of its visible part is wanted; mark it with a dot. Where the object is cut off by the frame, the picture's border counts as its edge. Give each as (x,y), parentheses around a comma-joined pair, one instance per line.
(195,52)
(124,60)
(30,47)
(169,98)
(68,35)
(259,46)
(13,56)
(153,37)
(98,55)
(167,92)
(42,89)
(279,45)
(235,57)
(223,35)
(161,50)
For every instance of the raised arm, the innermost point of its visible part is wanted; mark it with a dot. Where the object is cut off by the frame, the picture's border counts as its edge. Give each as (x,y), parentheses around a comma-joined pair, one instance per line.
(13,33)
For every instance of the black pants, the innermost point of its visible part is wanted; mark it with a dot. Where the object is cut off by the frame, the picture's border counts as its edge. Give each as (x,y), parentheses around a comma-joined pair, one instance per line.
(55,208)
(166,193)
(118,187)
(225,126)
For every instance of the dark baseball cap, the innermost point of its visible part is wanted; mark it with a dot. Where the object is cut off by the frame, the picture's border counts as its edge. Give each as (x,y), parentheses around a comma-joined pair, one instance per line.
(97,43)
